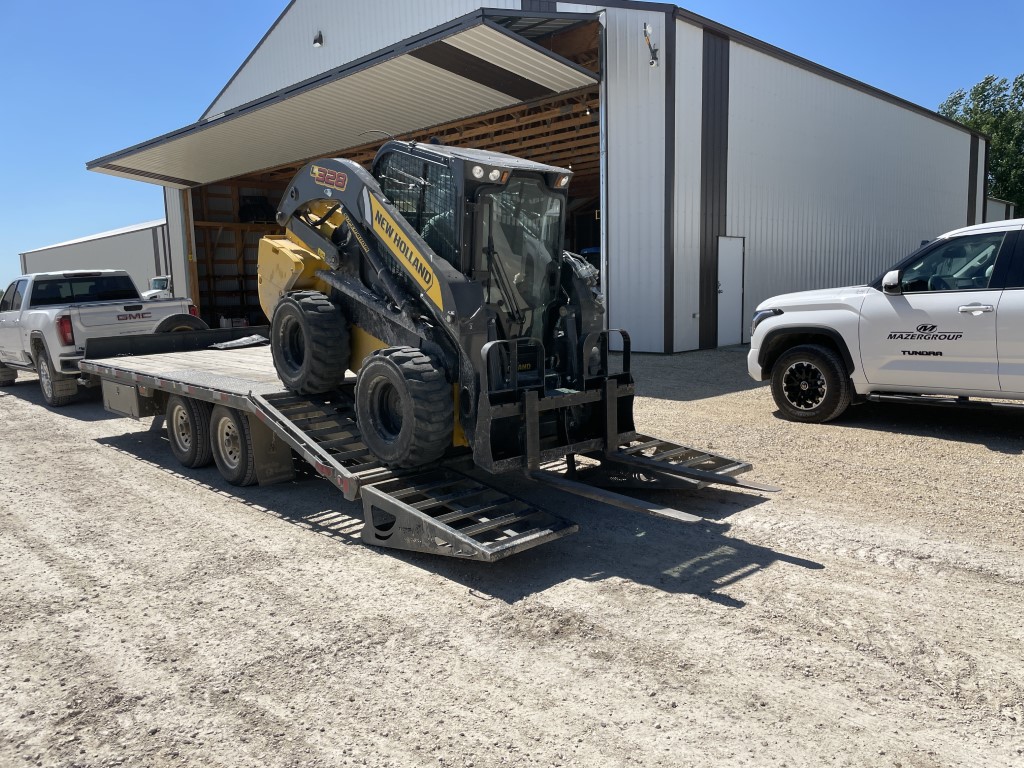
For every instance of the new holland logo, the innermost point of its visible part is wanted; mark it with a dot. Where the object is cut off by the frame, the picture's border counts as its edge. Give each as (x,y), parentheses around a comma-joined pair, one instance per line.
(414,262)
(925,332)
(328,177)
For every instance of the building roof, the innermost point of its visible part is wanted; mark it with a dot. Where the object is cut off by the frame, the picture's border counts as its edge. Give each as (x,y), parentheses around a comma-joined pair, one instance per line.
(102,235)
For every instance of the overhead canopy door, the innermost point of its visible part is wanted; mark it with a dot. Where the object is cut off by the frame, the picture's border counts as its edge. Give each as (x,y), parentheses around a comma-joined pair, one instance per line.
(476,67)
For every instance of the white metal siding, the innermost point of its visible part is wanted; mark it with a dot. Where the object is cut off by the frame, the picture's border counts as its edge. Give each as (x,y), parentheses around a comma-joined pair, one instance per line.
(351,29)
(830,185)
(139,253)
(635,208)
(177,242)
(689,88)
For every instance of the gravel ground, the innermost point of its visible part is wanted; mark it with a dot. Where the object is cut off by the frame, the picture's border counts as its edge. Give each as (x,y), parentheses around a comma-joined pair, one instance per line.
(868,614)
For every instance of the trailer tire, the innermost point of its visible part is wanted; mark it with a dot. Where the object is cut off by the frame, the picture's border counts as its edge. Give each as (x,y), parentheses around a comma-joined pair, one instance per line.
(188,429)
(182,322)
(810,384)
(309,342)
(58,389)
(231,442)
(7,376)
(404,407)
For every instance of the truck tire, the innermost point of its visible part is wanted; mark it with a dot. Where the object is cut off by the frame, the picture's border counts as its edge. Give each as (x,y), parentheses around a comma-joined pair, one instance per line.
(58,389)
(404,407)
(188,429)
(231,442)
(181,323)
(309,343)
(7,376)
(810,384)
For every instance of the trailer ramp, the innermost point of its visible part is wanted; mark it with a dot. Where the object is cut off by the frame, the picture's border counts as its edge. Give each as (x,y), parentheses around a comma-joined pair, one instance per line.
(438,510)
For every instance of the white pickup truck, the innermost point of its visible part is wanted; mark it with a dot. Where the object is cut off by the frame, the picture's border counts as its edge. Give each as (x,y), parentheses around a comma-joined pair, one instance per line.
(946,321)
(46,319)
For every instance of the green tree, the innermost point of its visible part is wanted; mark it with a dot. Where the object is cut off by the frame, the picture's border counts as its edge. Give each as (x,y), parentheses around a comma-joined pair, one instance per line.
(995,106)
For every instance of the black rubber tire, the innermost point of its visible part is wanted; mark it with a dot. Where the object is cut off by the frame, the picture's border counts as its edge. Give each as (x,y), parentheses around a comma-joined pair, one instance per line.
(182,322)
(58,389)
(231,443)
(188,430)
(309,343)
(7,376)
(810,384)
(404,407)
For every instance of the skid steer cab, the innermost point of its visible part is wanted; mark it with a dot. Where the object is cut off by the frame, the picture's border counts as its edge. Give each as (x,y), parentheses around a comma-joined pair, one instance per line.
(439,279)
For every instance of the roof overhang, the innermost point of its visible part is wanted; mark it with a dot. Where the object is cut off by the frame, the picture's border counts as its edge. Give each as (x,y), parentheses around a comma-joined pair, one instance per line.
(471,66)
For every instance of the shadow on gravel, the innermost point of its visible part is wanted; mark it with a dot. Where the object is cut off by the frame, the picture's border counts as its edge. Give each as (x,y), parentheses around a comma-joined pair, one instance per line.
(699,559)
(1001,430)
(693,375)
(87,405)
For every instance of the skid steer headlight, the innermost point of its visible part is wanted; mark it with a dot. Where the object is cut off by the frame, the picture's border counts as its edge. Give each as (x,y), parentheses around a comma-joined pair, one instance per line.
(478,171)
(494,175)
(760,316)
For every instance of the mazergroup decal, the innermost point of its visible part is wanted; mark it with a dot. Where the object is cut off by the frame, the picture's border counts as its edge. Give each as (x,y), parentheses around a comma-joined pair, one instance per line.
(925,332)
(328,177)
(415,263)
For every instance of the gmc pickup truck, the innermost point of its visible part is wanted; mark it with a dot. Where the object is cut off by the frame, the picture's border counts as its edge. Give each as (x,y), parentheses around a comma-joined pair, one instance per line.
(46,318)
(945,325)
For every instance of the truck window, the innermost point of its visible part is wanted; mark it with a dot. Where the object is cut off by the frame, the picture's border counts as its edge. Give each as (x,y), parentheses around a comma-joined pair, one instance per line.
(14,296)
(961,264)
(86,288)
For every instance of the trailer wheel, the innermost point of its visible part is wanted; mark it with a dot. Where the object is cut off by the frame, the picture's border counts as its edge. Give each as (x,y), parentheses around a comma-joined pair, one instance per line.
(57,388)
(182,322)
(309,342)
(188,429)
(404,407)
(7,375)
(811,384)
(232,445)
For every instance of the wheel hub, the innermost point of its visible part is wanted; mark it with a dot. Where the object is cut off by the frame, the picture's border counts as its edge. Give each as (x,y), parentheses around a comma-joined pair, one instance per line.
(804,385)
(230,445)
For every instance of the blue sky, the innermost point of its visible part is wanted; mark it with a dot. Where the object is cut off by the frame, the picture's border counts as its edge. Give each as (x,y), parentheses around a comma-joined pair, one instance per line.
(83,79)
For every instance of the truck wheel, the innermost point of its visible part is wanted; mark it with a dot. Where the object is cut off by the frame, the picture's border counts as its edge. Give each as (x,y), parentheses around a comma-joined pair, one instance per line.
(188,429)
(57,388)
(181,323)
(404,407)
(232,445)
(811,384)
(7,376)
(309,343)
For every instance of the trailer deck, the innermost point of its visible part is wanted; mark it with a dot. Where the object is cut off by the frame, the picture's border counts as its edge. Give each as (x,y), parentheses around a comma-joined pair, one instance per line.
(446,509)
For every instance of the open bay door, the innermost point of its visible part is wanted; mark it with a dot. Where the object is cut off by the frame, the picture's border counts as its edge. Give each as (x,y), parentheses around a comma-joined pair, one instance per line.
(473,66)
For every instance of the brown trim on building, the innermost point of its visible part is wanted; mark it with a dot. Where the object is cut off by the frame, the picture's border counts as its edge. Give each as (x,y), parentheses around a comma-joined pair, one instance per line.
(714,151)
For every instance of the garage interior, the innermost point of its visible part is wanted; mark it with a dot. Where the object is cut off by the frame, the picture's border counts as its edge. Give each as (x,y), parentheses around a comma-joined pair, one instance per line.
(231,215)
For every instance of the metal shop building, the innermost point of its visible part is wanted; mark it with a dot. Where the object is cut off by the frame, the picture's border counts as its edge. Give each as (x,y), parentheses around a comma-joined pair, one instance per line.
(711,169)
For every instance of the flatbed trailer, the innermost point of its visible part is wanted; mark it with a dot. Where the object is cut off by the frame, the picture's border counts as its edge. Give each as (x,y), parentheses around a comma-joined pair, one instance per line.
(257,427)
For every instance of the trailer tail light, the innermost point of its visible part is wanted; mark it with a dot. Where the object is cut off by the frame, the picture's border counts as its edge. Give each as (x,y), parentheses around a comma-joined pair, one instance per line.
(65,332)
(192,310)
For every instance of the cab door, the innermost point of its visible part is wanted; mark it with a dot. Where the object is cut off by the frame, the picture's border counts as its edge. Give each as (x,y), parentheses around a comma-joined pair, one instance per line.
(10,321)
(1010,326)
(938,331)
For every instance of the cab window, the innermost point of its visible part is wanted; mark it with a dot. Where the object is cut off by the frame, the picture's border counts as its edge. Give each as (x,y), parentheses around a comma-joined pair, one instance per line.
(13,296)
(424,193)
(961,264)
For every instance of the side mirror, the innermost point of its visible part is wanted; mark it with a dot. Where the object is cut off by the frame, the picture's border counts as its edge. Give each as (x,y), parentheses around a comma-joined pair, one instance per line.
(891,283)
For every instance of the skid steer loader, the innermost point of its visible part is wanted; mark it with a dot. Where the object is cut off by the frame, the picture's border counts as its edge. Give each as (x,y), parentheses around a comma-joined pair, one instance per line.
(439,279)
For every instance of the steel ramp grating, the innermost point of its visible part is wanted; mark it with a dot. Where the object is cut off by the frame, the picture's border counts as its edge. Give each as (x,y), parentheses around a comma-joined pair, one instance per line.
(330,425)
(444,512)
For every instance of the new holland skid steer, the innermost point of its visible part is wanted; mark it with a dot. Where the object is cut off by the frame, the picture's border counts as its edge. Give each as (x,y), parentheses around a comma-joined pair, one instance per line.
(439,280)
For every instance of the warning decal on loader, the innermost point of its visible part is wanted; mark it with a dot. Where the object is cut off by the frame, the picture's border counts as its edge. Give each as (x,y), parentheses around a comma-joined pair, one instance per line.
(415,263)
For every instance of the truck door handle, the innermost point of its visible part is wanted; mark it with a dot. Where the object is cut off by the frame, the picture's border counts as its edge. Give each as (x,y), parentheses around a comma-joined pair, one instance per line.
(976,309)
